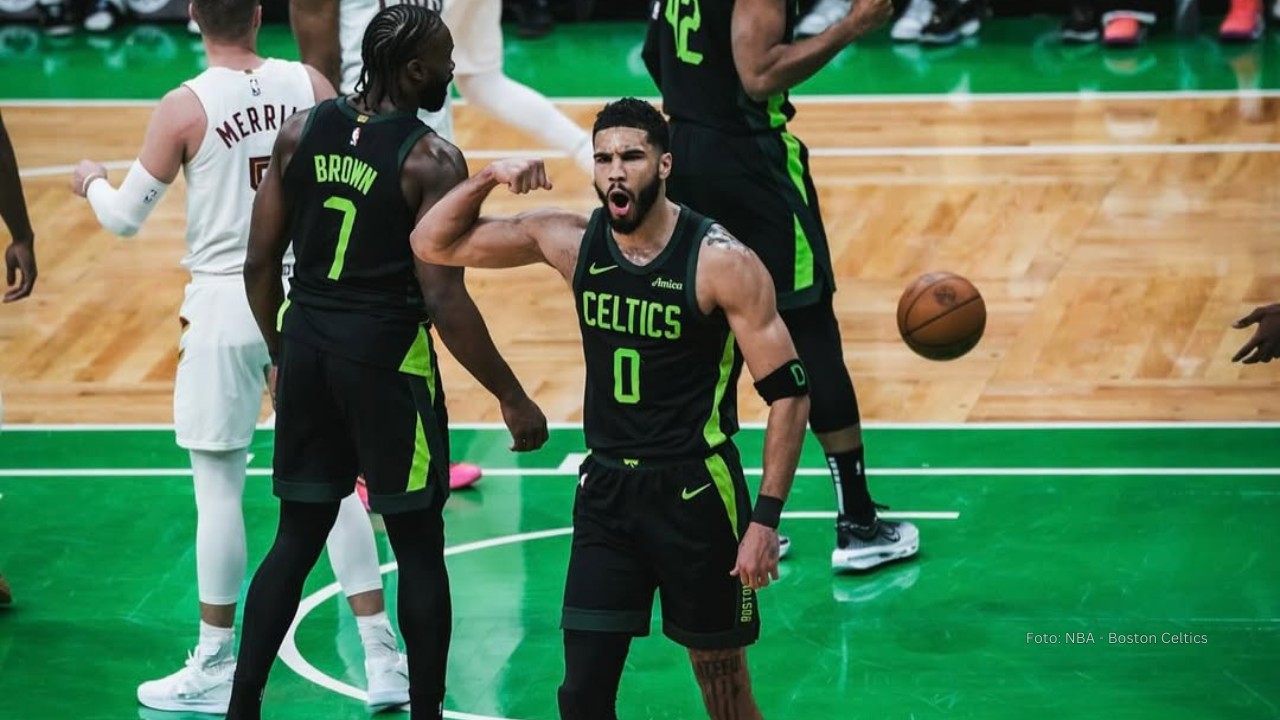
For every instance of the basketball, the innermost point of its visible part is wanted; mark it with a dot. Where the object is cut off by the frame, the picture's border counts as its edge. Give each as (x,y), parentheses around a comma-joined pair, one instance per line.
(941,316)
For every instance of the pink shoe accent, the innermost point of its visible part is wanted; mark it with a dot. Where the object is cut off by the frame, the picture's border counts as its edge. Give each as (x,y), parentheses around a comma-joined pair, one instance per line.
(463,475)
(363,491)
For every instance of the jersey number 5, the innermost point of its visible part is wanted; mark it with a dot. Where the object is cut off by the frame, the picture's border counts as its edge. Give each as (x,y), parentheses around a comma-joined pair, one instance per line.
(683,26)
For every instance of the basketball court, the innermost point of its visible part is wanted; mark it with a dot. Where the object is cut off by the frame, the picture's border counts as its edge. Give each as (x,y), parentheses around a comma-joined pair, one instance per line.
(1096,466)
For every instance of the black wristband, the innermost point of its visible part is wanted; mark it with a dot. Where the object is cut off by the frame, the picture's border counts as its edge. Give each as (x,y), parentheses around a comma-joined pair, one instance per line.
(768,511)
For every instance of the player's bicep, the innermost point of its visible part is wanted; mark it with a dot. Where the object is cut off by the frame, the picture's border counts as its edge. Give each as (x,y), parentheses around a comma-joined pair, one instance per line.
(745,292)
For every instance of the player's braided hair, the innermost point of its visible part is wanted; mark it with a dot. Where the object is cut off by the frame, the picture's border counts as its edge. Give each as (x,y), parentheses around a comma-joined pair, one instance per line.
(390,42)
(632,113)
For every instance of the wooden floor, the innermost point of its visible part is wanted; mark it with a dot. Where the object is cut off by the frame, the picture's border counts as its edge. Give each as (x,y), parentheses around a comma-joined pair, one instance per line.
(1111,277)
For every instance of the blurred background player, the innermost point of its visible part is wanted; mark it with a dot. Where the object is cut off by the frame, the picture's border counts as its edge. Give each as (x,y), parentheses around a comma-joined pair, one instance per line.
(359,388)
(19,257)
(725,85)
(329,31)
(219,129)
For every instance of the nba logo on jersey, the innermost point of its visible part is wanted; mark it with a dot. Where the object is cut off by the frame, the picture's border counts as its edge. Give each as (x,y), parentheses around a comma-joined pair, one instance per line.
(254,87)
(355,137)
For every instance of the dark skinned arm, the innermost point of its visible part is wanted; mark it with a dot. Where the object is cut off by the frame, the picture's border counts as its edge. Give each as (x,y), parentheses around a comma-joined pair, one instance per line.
(768,65)
(315,25)
(20,256)
(269,236)
(433,168)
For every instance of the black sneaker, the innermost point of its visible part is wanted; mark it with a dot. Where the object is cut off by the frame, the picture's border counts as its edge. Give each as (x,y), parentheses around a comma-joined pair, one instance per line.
(55,19)
(860,547)
(952,21)
(1082,24)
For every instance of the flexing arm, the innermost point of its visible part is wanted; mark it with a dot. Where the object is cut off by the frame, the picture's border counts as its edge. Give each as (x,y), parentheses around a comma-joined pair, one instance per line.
(453,233)
(21,254)
(436,167)
(768,64)
(269,235)
(732,278)
(315,25)
(174,132)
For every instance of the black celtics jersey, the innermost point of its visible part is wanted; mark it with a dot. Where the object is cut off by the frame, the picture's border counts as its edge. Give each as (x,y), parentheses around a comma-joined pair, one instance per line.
(689,54)
(354,291)
(661,376)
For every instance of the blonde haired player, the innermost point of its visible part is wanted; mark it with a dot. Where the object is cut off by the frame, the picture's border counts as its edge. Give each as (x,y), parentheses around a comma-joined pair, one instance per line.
(220,128)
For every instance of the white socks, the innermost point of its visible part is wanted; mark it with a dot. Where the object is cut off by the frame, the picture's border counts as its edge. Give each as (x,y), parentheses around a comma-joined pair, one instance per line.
(377,636)
(220,544)
(215,642)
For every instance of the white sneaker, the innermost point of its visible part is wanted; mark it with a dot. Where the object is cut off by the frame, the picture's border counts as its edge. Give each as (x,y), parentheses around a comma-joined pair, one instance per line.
(859,548)
(388,677)
(908,27)
(824,14)
(784,546)
(203,686)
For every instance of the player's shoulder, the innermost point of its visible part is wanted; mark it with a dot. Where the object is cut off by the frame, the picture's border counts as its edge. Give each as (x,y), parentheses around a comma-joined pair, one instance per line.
(721,248)
(432,150)
(725,263)
(181,106)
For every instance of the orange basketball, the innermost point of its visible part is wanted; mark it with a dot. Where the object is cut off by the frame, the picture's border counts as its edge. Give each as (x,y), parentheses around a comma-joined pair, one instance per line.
(941,316)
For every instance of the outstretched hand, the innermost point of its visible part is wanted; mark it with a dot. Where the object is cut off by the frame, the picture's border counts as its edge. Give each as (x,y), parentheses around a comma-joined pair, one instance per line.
(1264,346)
(521,175)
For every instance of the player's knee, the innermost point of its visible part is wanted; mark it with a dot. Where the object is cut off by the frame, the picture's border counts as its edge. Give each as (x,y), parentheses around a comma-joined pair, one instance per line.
(833,404)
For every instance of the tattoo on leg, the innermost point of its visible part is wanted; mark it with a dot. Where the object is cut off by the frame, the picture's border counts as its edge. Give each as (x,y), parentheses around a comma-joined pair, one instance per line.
(726,690)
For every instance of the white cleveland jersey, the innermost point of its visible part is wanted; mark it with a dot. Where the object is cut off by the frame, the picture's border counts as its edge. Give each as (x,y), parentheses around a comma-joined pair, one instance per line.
(244,110)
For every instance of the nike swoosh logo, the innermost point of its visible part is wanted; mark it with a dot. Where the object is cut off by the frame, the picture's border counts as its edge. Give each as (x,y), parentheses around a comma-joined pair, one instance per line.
(598,270)
(685,494)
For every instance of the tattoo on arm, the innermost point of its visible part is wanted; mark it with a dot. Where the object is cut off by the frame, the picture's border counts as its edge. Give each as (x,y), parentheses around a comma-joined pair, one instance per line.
(717,236)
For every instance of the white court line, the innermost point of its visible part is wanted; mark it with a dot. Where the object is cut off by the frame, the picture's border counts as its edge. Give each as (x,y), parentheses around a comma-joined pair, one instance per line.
(49,170)
(881,472)
(969,150)
(918,151)
(907,426)
(801,100)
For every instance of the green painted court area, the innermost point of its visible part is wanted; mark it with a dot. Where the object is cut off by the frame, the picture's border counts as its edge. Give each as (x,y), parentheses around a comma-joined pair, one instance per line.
(1068,533)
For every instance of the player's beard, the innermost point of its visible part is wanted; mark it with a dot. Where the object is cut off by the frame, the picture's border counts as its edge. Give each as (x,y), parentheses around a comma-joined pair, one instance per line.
(639,205)
(432,97)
